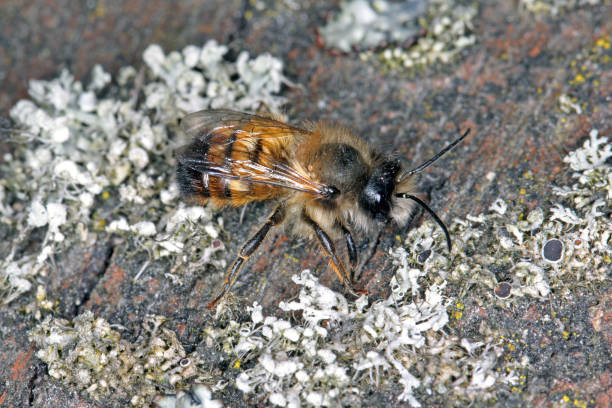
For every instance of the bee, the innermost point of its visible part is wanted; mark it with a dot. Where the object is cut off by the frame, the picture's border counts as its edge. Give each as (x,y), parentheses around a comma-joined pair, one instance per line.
(326,181)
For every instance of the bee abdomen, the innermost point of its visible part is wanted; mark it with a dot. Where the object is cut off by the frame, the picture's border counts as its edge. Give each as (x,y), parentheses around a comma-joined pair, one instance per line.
(191,182)
(202,163)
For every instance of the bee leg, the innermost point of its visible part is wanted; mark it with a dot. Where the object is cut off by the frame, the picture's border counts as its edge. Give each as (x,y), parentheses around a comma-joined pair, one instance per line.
(352,250)
(247,250)
(330,249)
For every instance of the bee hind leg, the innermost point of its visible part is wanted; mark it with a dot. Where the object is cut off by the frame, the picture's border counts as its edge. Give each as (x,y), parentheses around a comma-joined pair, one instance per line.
(330,249)
(278,215)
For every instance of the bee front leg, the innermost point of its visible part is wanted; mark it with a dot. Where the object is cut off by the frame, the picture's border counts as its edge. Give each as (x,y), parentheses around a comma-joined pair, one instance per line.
(247,250)
(352,250)
(330,249)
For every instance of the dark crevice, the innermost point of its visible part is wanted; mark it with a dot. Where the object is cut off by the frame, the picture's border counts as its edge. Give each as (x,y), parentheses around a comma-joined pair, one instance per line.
(106,256)
(242,21)
(241,27)
(32,384)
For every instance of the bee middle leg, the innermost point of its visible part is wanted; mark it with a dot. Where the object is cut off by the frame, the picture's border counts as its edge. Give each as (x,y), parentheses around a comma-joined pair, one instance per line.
(330,249)
(278,215)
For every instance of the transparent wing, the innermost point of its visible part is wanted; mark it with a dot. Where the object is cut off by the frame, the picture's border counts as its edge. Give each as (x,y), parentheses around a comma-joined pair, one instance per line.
(249,148)
(220,121)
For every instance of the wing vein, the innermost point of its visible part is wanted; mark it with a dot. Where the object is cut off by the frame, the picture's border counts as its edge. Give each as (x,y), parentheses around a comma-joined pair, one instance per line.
(222,128)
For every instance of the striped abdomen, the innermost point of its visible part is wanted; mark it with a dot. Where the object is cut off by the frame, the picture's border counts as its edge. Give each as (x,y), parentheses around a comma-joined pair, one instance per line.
(229,168)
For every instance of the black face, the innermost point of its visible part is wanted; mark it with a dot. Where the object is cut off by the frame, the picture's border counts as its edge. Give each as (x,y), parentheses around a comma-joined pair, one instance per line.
(376,196)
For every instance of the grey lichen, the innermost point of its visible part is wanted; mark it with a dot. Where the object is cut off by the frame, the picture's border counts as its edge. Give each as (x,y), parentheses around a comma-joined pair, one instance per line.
(87,354)
(404,35)
(367,24)
(554,7)
(318,350)
(448,30)
(198,396)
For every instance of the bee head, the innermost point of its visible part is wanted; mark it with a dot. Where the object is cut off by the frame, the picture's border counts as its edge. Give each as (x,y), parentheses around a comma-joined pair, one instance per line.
(377,195)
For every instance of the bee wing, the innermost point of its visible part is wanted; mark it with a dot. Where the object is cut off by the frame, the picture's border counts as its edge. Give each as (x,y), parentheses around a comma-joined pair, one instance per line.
(204,123)
(250,148)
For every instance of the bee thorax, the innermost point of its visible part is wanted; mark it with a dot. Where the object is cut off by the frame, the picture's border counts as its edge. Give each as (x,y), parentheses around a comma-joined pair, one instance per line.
(339,165)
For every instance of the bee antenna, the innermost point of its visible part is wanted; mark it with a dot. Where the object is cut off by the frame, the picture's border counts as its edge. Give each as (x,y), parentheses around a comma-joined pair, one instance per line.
(437,156)
(430,211)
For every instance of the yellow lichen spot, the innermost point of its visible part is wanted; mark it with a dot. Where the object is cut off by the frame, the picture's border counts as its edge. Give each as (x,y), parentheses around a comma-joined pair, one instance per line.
(105,195)
(565,398)
(580,403)
(99,12)
(565,334)
(515,389)
(100,224)
(579,79)
(291,258)
(248,15)
(41,294)
(603,43)
(563,120)
(522,191)
(460,306)
(511,347)
(397,237)
(539,90)
(457,315)
(607,259)
(236,365)
(528,175)
(572,63)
